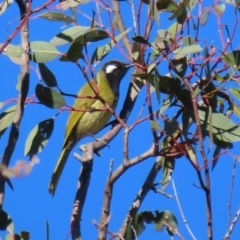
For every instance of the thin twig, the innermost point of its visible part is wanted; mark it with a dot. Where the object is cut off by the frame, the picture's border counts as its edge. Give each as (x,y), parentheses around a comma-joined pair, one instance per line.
(231,192)
(231,227)
(181,211)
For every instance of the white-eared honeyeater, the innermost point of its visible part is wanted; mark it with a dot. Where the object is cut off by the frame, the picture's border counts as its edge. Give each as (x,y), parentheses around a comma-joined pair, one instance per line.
(81,123)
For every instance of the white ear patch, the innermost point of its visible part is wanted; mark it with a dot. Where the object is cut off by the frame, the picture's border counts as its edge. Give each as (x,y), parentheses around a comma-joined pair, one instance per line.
(110,68)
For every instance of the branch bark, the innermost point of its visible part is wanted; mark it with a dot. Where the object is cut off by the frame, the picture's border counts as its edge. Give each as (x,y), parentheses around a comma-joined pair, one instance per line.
(23,92)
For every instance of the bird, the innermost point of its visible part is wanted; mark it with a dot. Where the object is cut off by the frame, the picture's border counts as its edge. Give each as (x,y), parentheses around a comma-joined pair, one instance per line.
(82,123)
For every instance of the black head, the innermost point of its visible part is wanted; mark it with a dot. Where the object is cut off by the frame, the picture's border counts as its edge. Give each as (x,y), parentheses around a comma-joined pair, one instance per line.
(114,72)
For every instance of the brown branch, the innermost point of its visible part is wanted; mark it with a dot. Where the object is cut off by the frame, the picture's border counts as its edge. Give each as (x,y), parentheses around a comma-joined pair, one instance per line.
(24,86)
(231,227)
(147,186)
(206,168)
(109,188)
(24,19)
(82,188)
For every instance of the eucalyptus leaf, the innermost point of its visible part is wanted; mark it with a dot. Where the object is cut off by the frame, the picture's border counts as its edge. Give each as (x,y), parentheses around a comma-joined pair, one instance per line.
(223,128)
(47,76)
(69,35)
(38,137)
(56,16)
(42,51)
(49,97)
(6,119)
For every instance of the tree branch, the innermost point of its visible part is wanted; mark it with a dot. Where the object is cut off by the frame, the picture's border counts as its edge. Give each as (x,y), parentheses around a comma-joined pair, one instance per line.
(23,92)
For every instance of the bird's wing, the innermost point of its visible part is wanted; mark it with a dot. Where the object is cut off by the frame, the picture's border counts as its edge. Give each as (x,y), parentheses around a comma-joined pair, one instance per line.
(81,104)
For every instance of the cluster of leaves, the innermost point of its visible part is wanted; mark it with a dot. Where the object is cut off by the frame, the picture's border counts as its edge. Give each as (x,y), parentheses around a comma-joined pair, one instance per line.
(160,220)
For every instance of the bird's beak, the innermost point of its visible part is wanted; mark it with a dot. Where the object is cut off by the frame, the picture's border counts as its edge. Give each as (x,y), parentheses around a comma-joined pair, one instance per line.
(129,65)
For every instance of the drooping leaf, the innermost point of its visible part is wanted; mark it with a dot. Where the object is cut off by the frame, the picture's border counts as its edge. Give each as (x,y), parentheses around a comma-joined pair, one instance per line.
(42,51)
(47,75)
(168,164)
(166,218)
(49,97)
(38,137)
(137,223)
(186,117)
(235,92)
(180,65)
(166,104)
(204,16)
(102,51)
(223,128)
(74,53)
(69,35)
(232,59)
(216,156)
(191,154)
(56,16)
(6,119)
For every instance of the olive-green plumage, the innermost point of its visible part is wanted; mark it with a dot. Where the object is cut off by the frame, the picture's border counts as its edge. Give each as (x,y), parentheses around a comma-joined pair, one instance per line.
(81,123)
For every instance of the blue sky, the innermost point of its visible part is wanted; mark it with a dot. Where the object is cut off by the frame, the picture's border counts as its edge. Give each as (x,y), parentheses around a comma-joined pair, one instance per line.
(30,205)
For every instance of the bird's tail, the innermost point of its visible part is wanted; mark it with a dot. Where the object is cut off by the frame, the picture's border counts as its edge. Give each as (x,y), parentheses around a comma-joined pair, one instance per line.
(58,170)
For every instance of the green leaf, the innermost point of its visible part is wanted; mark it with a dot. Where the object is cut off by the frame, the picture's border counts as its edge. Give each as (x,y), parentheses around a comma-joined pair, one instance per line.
(74,53)
(102,51)
(223,128)
(180,65)
(69,35)
(166,104)
(12,50)
(4,5)
(6,222)
(49,97)
(188,41)
(191,154)
(38,137)
(219,9)
(56,16)
(42,51)
(6,119)
(204,16)
(47,76)
(232,59)
(171,126)
(235,92)
(168,164)
(155,125)
(188,50)
(92,36)
(166,218)
(186,117)
(168,5)
(140,39)
(216,156)
(137,223)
